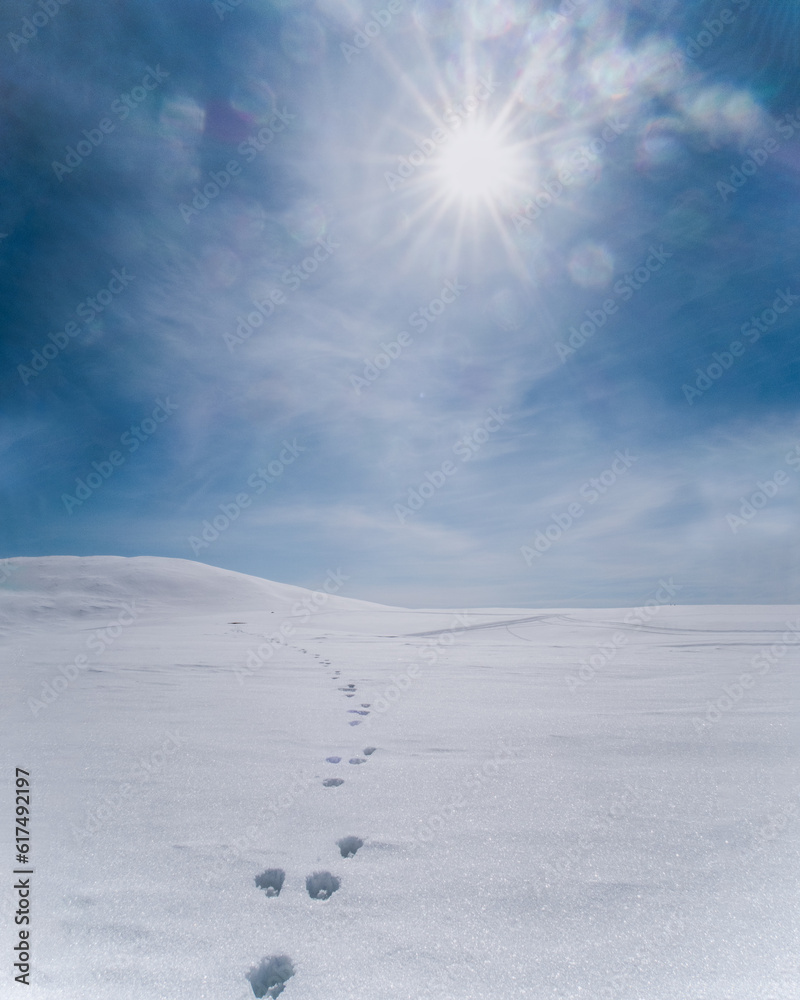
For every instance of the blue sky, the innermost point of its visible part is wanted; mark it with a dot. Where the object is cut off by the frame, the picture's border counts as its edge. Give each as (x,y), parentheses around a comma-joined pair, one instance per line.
(490,385)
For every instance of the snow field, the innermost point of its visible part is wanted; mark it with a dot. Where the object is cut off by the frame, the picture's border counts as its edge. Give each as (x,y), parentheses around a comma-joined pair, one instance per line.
(522,837)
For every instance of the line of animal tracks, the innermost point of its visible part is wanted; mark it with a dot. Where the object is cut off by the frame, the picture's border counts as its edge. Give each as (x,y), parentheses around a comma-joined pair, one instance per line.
(269,977)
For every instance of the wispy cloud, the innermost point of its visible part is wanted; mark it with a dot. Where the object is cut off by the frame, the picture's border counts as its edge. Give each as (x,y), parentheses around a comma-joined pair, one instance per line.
(280,145)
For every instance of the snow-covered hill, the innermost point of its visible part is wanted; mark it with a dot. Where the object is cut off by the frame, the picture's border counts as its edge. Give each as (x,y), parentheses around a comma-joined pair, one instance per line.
(237,783)
(80,587)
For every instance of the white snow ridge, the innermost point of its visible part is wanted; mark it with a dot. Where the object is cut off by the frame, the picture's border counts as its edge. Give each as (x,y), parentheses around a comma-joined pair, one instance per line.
(549,805)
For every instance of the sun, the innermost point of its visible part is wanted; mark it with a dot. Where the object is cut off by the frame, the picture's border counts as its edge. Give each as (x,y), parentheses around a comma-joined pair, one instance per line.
(477,166)
(475,174)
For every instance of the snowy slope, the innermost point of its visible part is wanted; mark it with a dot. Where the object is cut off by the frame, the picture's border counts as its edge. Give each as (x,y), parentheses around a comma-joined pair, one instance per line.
(560,804)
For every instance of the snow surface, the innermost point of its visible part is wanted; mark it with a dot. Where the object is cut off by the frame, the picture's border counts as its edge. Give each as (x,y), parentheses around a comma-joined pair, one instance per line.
(523,835)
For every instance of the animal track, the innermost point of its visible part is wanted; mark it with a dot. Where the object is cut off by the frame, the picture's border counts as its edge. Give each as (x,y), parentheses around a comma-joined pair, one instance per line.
(365,704)
(269,979)
(349,696)
(369,751)
(356,722)
(333,760)
(349,845)
(322,885)
(333,782)
(358,760)
(357,711)
(271,881)
(348,687)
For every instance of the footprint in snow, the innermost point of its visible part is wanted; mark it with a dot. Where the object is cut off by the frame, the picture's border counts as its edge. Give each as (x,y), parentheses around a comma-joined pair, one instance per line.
(348,687)
(358,760)
(322,885)
(365,704)
(270,977)
(356,711)
(271,881)
(356,722)
(333,782)
(349,696)
(333,760)
(349,845)
(369,751)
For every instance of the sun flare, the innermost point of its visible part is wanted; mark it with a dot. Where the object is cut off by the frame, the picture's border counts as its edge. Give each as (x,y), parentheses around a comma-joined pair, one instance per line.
(477,165)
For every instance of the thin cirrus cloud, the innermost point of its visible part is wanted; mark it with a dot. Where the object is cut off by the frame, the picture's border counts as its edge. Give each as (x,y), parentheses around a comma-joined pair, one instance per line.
(652,133)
